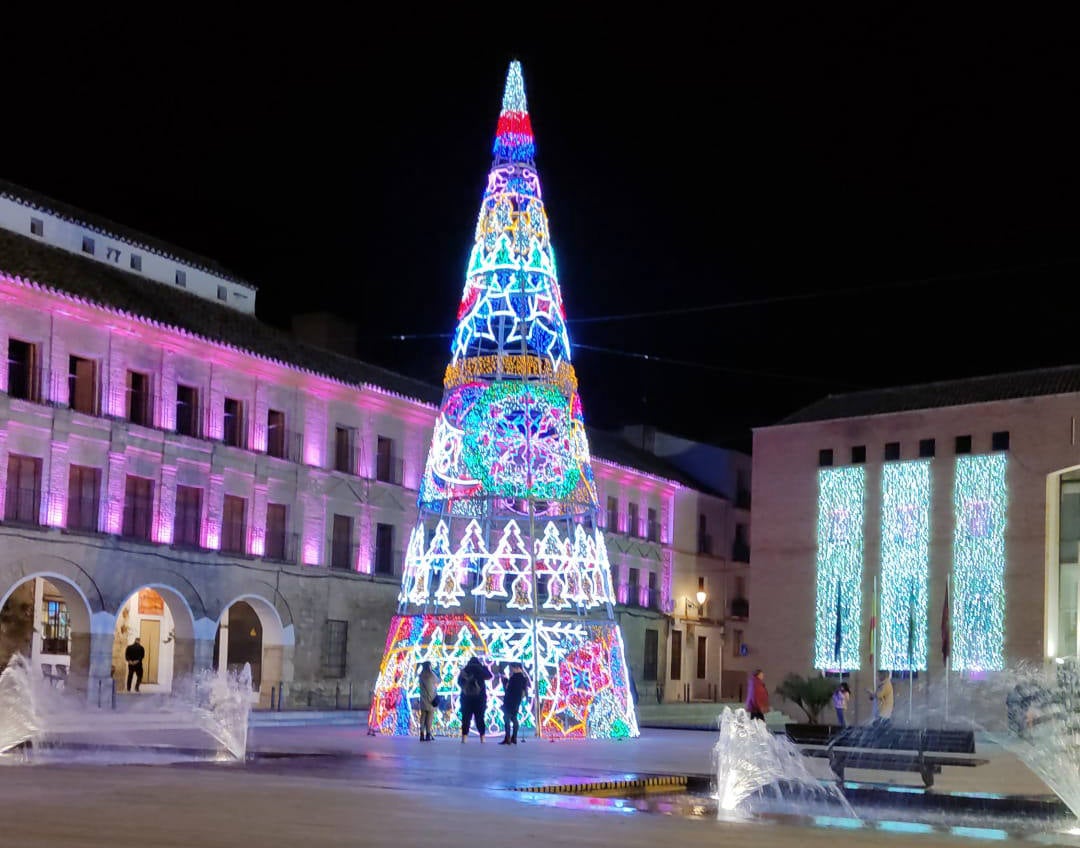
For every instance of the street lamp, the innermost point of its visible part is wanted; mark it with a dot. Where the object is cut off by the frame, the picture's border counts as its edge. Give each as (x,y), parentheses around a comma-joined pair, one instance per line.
(701,598)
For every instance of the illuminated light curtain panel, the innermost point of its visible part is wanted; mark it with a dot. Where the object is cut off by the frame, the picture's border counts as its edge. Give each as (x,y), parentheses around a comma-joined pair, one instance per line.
(905,562)
(507,562)
(838,611)
(981,503)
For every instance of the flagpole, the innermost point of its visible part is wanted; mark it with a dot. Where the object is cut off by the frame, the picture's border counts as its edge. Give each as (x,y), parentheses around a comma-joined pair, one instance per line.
(911,651)
(948,654)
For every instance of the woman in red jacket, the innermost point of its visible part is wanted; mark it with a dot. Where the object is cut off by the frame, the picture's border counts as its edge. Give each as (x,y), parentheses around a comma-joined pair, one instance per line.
(757,696)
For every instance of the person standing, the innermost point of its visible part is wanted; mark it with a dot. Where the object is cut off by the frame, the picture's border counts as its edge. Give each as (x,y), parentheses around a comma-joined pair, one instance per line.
(134,656)
(514,691)
(840,700)
(429,691)
(473,683)
(757,696)
(883,700)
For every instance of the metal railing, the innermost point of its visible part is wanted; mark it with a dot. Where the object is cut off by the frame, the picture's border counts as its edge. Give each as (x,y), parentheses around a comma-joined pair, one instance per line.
(22,505)
(389,469)
(285,444)
(342,555)
(705,544)
(281,546)
(83,514)
(347,459)
(740,551)
(386,561)
(233,537)
(652,531)
(742,499)
(740,608)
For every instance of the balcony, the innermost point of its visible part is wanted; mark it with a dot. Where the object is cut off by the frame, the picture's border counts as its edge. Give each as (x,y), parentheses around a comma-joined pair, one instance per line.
(742,499)
(740,608)
(652,532)
(285,444)
(342,555)
(347,459)
(280,546)
(385,561)
(705,544)
(740,551)
(22,506)
(389,469)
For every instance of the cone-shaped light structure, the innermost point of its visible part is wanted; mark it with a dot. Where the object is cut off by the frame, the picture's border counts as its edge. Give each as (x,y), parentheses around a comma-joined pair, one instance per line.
(507,562)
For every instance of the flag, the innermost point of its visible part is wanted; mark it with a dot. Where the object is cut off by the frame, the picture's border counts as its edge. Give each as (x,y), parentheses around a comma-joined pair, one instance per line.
(839,636)
(946,630)
(873,630)
(911,631)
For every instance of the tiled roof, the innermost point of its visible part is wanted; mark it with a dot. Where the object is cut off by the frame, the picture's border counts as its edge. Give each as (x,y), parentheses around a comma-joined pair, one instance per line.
(1019,384)
(112,287)
(102,225)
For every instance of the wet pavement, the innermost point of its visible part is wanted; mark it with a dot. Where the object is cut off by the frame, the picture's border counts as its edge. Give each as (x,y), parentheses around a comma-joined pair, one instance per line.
(335,785)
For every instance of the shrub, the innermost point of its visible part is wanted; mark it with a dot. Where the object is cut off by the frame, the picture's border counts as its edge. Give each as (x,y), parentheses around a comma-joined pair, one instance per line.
(812,694)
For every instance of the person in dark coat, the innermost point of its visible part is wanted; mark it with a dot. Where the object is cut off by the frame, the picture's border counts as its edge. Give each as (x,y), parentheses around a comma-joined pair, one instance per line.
(514,691)
(473,682)
(134,656)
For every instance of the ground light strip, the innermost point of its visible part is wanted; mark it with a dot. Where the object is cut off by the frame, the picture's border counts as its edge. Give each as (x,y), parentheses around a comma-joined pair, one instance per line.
(679,780)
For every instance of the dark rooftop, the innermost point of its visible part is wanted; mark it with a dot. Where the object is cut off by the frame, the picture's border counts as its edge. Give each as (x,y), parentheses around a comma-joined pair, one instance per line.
(1019,384)
(614,448)
(112,287)
(102,225)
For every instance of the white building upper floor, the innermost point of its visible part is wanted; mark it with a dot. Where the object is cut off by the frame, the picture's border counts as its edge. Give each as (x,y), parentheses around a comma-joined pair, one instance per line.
(134,409)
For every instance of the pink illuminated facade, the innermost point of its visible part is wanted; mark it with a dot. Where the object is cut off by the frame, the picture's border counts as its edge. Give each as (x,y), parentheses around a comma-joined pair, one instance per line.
(155,435)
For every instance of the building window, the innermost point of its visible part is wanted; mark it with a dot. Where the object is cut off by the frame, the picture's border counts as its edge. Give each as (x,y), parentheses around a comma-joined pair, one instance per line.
(187,411)
(138,398)
(343,450)
(651,659)
(824,457)
(676,655)
(84,498)
(23,498)
(275,433)
(138,507)
(136,262)
(23,370)
(88,245)
(276,532)
(384,548)
(892,451)
(702,656)
(341,544)
(635,587)
(222,293)
(55,627)
(704,540)
(858,454)
(612,513)
(632,519)
(963,444)
(1000,441)
(742,489)
(37,227)
(181,278)
(234,423)
(233,516)
(82,385)
(926,448)
(188,520)
(334,648)
(387,466)
(740,548)
(737,643)
(653,530)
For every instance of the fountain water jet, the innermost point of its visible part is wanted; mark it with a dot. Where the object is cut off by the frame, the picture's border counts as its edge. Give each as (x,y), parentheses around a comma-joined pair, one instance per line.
(209,703)
(748,760)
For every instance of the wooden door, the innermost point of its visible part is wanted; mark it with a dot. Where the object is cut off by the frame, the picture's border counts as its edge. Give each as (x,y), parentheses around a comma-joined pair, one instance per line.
(150,634)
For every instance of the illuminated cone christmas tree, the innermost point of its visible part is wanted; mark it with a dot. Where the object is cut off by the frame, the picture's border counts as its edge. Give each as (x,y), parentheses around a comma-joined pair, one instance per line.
(506,561)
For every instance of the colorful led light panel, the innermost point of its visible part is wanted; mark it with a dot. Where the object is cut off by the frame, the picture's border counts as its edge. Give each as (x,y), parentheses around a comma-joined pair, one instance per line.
(838,611)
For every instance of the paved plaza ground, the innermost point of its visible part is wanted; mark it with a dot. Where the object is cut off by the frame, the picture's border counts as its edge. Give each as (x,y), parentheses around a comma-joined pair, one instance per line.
(363,790)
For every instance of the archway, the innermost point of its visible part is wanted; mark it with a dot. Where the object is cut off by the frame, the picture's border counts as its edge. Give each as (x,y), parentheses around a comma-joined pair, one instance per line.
(250,631)
(160,618)
(46,618)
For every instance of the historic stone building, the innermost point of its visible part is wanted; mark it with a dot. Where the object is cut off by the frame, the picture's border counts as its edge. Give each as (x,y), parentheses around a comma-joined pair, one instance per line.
(172,468)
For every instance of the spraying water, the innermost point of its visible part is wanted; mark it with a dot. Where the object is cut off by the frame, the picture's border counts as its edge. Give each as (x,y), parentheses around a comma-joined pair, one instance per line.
(209,703)
(749,760)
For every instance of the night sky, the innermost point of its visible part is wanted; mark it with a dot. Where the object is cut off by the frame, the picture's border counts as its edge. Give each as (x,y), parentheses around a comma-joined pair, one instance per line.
(870,201)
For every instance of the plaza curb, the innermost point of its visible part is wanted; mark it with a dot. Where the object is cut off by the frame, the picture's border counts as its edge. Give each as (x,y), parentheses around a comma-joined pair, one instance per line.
(669,780)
